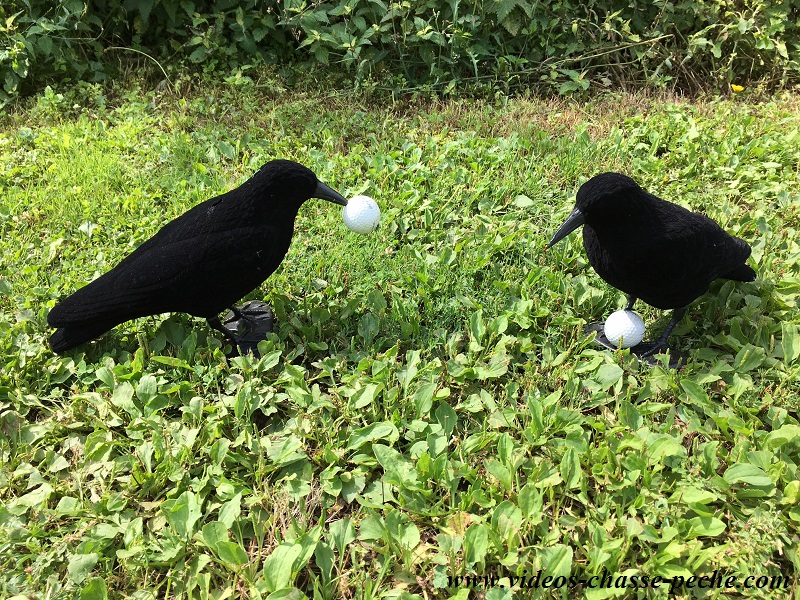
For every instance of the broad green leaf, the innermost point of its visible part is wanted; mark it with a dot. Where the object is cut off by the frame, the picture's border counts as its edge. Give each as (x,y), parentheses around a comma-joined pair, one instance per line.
(496,367)
(270,360)
(286,451)
(105,531)
(749,474)
(608,375)
(372,527)
(663,446)
(531,502)
(231,510)
(106,375)
(80,565)
(505,449)
(213,533)
(399,470)
(123,398)
(376,431)
(785,434)
(498,593)
(694,392)
(95,589)
(476,326)
(308,543)
(501,473)
(324,560)
(589,365)
(278,566)
(476,544)
(368,327)
(705,526)
(342,533)
(630,415)
(546,476)
(146,389)
(507,520)
(402,530)
(459,372)
(406,374)
(35,498)
(791,492)
(556,560)
(171,361)
(289,593)
(790,342)
(571,471)
(226,149)
(232,554)
(739,385)
(446,417)
(522,201)
(182,513)
(670,570)
(748,358)
(499,325)
(423,398)
(68,505)
(366,395)
(693,495)
(219,450)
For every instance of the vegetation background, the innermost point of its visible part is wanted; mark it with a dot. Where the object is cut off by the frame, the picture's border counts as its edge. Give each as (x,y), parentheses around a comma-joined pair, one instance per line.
(428,407)
(443,45)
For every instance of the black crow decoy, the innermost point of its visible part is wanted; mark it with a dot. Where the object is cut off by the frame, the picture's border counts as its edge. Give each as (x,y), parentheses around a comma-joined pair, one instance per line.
(199,263)
(652,249)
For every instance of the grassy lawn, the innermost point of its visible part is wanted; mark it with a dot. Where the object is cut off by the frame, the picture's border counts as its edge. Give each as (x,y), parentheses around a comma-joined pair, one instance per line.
(428,407)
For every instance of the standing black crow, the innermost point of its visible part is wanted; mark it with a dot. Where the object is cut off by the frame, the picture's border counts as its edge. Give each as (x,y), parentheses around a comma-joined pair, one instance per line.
(652,249)
(199,263)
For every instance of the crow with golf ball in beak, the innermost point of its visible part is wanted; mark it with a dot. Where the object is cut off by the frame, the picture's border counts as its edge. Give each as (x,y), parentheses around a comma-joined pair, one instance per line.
(651,249)
(201,263)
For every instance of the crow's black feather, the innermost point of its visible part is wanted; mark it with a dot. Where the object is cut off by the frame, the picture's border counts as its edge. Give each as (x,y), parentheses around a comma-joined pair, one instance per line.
(650,248)
(199,263)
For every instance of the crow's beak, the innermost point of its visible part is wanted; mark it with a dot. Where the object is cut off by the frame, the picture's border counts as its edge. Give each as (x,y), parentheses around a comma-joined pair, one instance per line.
(326,193)
(575,220)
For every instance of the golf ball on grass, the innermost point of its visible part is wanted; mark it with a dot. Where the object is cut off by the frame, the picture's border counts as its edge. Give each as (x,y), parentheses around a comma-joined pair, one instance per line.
(361,214)
(624,328)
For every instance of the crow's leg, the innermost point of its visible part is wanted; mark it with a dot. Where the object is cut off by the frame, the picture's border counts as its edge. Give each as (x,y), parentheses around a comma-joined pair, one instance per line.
(661,343)
(215,323)
(631,302)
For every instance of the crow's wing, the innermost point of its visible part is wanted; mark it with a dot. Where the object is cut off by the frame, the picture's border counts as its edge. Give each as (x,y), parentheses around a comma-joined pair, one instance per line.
(694,251)
(668,261)
(200,275)
(218,214)
(707,251)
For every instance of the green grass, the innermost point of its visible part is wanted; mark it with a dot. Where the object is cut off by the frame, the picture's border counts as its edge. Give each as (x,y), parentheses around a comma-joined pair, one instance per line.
(428,406)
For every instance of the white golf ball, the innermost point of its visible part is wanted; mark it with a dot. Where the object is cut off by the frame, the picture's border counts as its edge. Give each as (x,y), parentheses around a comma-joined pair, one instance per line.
(361,214)
(624,328)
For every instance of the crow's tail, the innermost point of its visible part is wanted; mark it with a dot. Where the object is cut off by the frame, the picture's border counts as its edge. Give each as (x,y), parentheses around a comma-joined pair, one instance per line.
(741,273)
(73,335)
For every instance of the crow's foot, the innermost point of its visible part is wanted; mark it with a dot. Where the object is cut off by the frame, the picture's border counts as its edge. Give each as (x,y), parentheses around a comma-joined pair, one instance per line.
(644,351)
(249,324)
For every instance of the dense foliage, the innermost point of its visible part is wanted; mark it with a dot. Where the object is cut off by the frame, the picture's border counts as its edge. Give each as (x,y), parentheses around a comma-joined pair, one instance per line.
(569,44)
